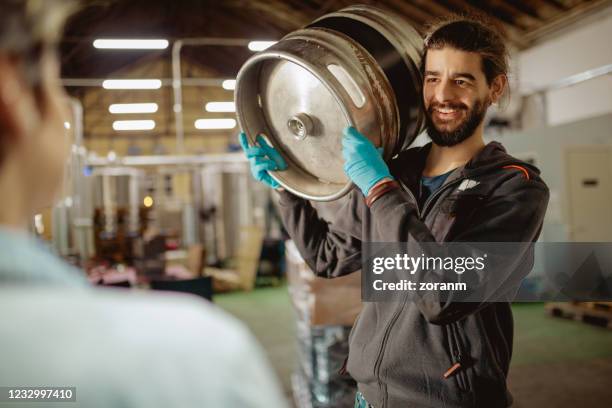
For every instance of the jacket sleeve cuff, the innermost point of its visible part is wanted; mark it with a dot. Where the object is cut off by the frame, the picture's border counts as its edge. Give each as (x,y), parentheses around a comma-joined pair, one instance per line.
(391,200)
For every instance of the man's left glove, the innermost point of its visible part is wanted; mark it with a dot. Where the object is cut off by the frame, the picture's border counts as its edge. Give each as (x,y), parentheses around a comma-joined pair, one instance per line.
(363,162)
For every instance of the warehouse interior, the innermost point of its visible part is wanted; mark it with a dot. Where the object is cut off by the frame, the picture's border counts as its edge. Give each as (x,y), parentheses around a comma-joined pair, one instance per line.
(158,195)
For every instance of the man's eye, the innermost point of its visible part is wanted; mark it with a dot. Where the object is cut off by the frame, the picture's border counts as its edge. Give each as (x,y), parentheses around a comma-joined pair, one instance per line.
(460,82)
(431,80)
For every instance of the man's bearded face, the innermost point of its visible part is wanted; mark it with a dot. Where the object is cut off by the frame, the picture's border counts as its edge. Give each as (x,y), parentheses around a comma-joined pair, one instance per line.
(456,95)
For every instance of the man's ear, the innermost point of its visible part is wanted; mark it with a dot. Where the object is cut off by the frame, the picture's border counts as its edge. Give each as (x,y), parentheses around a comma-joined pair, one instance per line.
(498,86)
(18,110)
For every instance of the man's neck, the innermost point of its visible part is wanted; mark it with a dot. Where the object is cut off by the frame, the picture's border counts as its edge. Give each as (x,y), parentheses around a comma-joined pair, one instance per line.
(443,159)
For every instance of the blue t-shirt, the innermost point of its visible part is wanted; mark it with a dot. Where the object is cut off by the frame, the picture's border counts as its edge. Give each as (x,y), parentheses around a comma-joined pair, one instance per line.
(430,184)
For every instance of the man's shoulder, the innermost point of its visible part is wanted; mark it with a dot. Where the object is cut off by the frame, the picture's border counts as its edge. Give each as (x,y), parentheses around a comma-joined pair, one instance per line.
(494,166)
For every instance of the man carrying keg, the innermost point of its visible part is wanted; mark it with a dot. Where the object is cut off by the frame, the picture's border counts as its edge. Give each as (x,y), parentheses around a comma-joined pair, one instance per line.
(455,189)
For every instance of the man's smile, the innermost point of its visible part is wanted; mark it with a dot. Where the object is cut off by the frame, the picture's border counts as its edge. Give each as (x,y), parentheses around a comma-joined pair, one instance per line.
(447,114)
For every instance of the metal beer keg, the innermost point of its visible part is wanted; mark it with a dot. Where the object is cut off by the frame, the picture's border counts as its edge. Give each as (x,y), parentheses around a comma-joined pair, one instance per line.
(358,66)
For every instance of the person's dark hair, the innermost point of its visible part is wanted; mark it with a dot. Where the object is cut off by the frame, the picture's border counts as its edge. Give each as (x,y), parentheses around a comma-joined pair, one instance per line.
(30,27)
(471,34)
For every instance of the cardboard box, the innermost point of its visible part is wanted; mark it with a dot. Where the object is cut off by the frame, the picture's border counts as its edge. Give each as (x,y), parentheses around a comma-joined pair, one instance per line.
(321,301)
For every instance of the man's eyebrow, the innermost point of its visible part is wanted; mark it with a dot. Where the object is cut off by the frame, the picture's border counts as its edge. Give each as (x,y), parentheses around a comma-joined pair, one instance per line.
(464,75)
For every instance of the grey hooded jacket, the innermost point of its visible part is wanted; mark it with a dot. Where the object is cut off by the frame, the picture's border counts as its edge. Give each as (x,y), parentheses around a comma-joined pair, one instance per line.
(400,351)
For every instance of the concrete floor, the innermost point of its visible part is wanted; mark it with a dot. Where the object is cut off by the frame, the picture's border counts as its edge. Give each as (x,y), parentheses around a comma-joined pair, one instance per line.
(556,362)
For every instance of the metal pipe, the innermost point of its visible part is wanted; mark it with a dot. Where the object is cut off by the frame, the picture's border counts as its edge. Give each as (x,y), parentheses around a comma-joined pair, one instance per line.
(169,160)
(77,121)
(572,80)
(80,216)
(177,82)
(177,94)
(97,82)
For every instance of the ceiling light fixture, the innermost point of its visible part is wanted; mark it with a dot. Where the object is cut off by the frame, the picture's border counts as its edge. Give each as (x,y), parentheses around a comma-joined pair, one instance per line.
(132,84)
(130,44)
(133,108)
(260,45)
(133,124)
(215,123)
(229,84)
(220,107)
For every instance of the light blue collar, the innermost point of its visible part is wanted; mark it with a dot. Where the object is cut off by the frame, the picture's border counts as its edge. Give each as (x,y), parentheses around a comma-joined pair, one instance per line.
(26,260)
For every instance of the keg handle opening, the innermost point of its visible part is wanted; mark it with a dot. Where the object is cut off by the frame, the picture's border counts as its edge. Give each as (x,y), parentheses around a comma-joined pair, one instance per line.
(300,125)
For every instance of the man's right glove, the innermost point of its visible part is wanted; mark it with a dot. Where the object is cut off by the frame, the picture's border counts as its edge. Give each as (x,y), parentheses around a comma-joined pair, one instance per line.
(262,158)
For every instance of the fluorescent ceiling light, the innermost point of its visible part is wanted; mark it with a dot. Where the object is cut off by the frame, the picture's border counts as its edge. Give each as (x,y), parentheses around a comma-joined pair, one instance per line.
(132,84)
(215,123)
(130,44)
(260,45)
(133,124)
(133,108)
(220,107)
(229,84)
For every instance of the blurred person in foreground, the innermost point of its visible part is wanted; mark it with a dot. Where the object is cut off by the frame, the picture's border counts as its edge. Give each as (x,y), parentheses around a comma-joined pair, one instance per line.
(119,349)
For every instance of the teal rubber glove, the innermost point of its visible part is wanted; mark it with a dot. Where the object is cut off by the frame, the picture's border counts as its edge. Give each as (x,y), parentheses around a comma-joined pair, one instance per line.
(262,158)
(363,162)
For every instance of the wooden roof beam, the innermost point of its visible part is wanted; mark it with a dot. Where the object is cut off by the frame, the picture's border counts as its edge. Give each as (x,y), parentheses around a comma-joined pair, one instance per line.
(417,16)
(524,19)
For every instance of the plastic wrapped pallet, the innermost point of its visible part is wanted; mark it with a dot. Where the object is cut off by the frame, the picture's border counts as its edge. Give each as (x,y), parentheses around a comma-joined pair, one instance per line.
(325,310)
(316,381)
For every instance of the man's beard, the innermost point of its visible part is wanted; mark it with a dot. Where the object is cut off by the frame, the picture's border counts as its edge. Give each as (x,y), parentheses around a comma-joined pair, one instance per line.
(464,130)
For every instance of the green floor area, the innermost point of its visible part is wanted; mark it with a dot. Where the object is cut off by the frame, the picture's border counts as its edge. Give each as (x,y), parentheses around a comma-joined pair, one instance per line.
(556,362)
(540,338)
(269,315)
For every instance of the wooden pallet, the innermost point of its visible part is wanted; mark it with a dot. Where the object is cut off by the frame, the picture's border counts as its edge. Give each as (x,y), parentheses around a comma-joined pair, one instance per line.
(607,306)
(596,313)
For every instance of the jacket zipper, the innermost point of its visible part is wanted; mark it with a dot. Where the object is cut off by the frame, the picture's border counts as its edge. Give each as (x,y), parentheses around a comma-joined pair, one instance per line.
(457,356)
(395,316)
(378,362)
(439,191)
(431,197)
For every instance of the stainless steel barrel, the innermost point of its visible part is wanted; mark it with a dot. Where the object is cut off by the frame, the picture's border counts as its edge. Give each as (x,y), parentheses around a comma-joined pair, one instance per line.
(358,66)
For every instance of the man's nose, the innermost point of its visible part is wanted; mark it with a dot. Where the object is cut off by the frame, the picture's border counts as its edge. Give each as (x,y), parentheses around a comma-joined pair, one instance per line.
(444,92)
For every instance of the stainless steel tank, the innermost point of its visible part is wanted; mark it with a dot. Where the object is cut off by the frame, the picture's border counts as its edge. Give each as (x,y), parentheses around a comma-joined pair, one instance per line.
(359,67)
